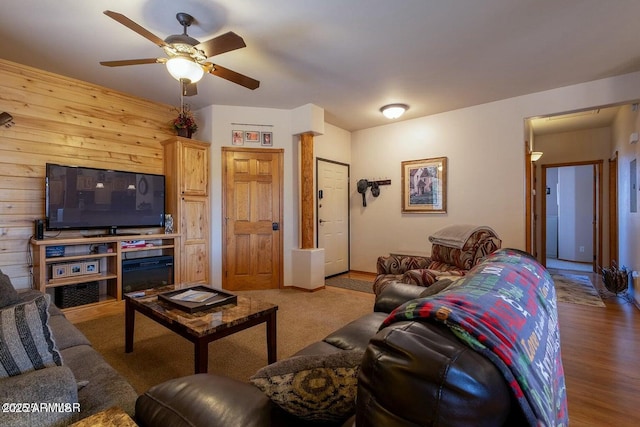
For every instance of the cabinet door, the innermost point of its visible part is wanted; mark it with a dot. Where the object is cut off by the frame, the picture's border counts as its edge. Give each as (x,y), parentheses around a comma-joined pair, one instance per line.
(195,239)
(195,263)
(195,170)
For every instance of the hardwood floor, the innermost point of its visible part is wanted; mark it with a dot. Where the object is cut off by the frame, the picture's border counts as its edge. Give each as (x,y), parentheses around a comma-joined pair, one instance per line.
(601,359)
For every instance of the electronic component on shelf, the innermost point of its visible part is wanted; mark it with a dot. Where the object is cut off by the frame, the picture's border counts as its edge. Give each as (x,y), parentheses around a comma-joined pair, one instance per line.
(133,243)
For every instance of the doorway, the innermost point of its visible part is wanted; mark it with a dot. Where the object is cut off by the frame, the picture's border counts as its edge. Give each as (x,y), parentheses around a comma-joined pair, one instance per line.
(252,195)
(571,214)
(333,215)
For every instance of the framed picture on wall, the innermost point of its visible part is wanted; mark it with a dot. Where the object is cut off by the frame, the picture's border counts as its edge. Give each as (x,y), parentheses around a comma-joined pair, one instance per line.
(251,136)
(237,137)
(424,186)
(266,139)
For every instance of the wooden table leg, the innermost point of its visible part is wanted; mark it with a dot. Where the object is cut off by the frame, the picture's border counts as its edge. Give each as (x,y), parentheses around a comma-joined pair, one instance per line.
(272,345)
(129,325)
(201,356)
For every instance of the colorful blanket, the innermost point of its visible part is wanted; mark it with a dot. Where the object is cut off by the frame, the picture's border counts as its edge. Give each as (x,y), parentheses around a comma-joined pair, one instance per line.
(505,308)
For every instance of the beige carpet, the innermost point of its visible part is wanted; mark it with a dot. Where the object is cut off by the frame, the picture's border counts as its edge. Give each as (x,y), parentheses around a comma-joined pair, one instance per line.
(159,354)
(576,289)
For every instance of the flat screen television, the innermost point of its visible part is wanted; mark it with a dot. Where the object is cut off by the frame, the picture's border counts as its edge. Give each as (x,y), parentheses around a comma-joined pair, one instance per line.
(82,198)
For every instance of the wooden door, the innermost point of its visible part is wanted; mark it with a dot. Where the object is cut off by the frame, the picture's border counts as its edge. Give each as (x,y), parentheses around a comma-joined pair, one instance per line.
(252,222)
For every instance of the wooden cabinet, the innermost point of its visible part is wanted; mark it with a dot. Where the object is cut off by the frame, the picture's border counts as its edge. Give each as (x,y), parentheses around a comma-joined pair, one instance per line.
(72,261)
(187,199)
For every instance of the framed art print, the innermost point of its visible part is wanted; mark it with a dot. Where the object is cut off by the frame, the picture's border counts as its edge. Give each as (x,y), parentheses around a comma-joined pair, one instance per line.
(237,137)
(75,269)
(60,270)
(251,136)
(91,267)
(424,186)
(266,139)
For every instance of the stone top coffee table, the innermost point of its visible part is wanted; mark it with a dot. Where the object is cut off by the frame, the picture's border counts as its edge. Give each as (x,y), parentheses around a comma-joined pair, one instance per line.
(201,327)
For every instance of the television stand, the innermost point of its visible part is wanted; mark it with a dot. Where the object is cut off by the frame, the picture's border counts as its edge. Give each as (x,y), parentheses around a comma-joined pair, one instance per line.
(69,274)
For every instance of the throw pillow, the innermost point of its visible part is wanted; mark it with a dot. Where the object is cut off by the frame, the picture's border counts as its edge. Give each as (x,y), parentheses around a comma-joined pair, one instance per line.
(8,294)
(313,387)
(26,341)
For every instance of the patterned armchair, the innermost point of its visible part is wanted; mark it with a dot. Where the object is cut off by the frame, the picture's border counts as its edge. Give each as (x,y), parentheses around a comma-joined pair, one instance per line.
(445,260)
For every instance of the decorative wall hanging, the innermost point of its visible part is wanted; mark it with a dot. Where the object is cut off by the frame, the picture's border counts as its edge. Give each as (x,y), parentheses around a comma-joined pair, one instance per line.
(424,185)
(251,133)
(237,137)
(251,136)
(363,184)
(266,139)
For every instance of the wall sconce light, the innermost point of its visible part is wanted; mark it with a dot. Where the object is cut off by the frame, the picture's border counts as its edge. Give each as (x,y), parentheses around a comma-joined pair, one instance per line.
(535,156)
(394,111)
(6,119)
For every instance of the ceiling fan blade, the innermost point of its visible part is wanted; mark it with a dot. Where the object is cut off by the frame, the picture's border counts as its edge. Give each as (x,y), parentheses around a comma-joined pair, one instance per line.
(131,62)
(221,44)
(234,77)
(135,27)
(189,89)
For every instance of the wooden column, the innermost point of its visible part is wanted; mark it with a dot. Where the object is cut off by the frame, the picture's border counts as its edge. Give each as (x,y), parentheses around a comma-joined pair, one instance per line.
(306,190)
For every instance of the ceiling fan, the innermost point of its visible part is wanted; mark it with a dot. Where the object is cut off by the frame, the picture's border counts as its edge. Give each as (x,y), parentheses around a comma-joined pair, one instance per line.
(187,57)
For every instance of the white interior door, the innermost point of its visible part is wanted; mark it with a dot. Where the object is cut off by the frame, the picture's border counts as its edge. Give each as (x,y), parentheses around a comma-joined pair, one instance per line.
(333,215)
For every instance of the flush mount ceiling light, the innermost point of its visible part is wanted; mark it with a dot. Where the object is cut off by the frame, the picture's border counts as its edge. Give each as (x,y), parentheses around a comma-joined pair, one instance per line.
(535,156)
(393,111)
(183,68)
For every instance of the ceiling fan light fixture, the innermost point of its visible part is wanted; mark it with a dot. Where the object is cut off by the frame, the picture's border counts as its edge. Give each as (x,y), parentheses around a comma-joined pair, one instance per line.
(394,111)
(184,68)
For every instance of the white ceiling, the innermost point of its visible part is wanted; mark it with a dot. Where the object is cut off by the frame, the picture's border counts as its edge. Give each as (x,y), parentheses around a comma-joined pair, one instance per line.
(348,56)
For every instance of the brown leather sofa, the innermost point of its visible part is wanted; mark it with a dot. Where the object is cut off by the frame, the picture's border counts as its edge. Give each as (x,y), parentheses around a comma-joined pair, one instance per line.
(412,374)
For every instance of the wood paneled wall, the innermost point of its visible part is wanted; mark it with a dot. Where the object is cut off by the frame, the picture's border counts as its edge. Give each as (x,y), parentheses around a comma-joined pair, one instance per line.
(67,121)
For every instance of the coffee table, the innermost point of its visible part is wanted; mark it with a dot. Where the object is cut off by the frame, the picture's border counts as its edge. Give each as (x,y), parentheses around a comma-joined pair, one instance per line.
(201,327)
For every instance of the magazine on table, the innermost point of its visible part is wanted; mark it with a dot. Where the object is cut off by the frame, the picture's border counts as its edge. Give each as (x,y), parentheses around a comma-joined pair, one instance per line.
(194,296)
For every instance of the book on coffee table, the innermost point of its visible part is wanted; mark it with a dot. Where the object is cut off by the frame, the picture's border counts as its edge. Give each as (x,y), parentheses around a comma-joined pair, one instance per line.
(197,298)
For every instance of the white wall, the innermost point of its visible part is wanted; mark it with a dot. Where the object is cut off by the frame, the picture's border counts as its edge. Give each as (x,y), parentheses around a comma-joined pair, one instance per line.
(627,121)
(485,148)
(217,123)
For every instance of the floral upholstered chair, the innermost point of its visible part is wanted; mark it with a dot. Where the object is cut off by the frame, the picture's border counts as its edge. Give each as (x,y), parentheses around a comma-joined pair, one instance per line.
(454,251)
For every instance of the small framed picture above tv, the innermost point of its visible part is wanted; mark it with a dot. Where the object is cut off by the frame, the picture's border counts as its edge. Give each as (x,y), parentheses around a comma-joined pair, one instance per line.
(82,198)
